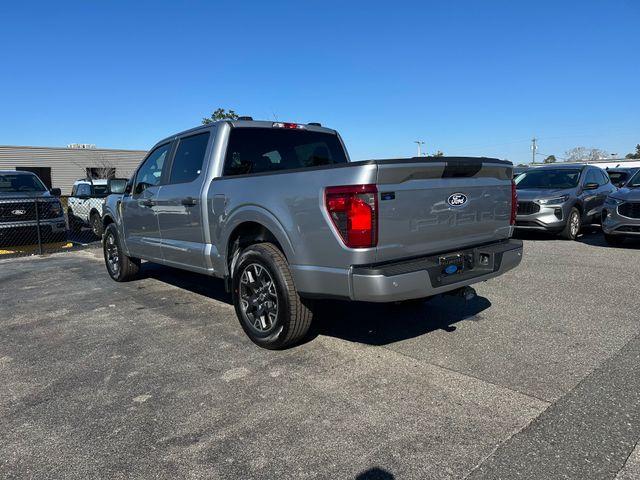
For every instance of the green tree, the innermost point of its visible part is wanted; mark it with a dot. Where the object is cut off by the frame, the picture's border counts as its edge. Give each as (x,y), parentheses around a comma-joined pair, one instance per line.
(439,153)
(550,159)
(220,114)
(634,155)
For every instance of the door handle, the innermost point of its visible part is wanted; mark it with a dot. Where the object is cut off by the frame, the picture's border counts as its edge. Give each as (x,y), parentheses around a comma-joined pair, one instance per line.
(189,202)
(147,203)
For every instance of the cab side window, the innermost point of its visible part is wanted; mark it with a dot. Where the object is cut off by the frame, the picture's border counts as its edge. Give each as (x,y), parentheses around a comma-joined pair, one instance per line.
(150,172)
(189,158)
(591,177)
(604,178)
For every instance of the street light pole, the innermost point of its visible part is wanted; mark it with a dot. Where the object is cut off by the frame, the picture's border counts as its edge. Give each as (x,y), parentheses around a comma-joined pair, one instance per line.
(419,143)
(534,147)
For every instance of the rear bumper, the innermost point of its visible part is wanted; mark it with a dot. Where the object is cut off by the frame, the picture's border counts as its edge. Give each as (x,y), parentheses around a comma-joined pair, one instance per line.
(407,279)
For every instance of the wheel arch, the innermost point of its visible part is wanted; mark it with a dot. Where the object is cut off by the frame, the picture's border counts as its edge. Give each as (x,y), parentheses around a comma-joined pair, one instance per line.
(254,226)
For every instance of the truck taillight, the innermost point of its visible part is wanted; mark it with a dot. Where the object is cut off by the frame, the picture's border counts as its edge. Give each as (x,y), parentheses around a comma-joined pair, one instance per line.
(514,202)
(354,212)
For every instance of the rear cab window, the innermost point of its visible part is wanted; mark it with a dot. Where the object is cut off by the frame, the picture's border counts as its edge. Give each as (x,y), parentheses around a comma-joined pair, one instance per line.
(259,150)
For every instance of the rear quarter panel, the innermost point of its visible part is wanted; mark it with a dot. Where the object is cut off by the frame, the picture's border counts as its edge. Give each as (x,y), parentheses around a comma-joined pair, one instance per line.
(291,206)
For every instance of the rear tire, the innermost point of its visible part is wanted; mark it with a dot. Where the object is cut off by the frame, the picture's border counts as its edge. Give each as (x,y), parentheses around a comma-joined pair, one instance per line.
(614,240)
(267,304)
(573,226)
(119,266)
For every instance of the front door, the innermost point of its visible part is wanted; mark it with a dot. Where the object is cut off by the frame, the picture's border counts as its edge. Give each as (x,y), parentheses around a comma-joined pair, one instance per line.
(139,210)
(179,203)
(590,198)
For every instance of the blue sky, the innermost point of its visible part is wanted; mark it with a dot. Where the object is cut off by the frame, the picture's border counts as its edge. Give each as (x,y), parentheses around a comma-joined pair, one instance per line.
(467,77)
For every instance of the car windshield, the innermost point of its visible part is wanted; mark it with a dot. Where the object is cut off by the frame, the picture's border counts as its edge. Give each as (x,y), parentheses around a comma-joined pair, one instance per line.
(635,181)
(618,178)
(544,178)
(19,182)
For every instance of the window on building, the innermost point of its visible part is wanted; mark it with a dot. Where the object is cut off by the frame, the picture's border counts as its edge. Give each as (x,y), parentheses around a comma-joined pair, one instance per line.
(43,173)
(101,172)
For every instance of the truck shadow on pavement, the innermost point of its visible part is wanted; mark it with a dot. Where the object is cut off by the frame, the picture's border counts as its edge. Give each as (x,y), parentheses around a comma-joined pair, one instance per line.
(382,324)
(194,282)
(368,323)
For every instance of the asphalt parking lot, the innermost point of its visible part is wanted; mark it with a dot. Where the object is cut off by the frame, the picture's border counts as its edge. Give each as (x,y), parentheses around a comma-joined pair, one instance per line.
(539,377)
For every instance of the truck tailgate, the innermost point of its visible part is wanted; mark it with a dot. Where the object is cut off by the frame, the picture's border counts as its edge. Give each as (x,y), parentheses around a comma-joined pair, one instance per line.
(430,205)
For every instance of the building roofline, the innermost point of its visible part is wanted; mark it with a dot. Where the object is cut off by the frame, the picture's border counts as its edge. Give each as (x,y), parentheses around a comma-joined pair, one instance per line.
(75,149)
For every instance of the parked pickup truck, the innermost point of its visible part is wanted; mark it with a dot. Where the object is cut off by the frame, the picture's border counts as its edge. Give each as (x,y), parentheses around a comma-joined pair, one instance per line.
(29,212)
(280,212)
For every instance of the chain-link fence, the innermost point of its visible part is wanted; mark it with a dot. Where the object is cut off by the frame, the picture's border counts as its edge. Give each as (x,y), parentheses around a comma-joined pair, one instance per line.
(36,225)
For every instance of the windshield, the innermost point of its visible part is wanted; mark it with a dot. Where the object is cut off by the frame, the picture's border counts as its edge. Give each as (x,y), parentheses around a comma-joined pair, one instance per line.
(544,178)
(635,180)
(618,178)
(20,182)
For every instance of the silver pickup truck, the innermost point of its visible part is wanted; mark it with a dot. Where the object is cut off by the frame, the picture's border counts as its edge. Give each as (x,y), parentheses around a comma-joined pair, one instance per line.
(280,212)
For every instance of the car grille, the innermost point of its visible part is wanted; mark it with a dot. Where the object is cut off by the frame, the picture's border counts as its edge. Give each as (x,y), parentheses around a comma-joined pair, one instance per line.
(630,210)
(17,211)
(25,210)
(527,208)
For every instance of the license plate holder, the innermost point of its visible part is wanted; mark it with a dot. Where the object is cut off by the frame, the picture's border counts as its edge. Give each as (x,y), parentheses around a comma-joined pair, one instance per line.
(452,264)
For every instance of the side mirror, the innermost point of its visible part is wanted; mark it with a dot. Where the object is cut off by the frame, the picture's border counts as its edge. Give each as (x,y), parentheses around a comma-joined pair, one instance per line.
(56,192)
(117,185)
(590,186)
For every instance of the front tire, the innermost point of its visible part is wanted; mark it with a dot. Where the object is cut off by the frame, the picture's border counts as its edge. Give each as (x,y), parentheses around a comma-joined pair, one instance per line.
(74,225)
(96,225)
(120,267)
(573,226)
(266,301)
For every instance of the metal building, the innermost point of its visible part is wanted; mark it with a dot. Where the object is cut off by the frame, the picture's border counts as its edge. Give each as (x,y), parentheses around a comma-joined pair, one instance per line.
(60,167)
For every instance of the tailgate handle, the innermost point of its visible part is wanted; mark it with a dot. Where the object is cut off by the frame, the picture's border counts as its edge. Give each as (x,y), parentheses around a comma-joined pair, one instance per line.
(189,202)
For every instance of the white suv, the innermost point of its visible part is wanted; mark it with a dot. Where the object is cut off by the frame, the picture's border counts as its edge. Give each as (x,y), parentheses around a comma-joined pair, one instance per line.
(85,205)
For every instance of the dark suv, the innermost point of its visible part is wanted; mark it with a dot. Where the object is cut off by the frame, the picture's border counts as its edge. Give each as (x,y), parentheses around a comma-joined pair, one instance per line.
(561,198)
(25,204)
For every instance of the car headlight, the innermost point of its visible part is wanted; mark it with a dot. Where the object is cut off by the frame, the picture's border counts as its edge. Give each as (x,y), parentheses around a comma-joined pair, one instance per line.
(613,201)
(555,200)
(55,209)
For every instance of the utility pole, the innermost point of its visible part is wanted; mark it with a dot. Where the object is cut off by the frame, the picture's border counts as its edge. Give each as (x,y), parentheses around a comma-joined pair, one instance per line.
(419,143)
(534,148)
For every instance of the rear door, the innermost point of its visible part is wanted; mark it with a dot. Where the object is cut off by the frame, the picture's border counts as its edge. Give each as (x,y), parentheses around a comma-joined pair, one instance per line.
(139,210)
(439,206)
(180,205)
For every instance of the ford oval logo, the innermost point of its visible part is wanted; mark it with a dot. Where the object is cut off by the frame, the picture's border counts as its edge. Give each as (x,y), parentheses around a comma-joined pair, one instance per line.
(18,212)
(457,199)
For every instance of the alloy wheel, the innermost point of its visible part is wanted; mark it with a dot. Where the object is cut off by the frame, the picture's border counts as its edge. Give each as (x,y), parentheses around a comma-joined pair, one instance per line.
(574,224)
(258,297)
(113,258)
